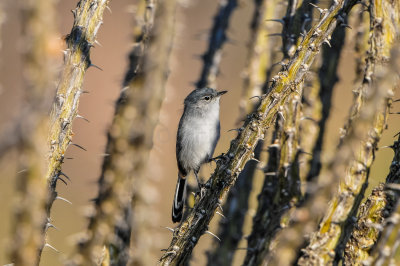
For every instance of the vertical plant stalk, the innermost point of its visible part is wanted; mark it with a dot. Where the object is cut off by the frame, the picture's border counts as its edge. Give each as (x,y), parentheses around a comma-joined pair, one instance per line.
(143,216)
(373,214)
(361,38)
(320,106)
(39,54)
(228,168)
(328,243)
(87,20)
(212,56)
(130,138)
(230,228)
(281,189)
(297,22)
(370,222)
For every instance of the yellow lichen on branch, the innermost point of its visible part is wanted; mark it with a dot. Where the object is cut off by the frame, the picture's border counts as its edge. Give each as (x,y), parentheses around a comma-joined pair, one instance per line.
(87,20)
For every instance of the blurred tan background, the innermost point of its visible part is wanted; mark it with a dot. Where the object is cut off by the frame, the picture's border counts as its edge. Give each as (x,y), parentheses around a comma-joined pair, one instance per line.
(193,21)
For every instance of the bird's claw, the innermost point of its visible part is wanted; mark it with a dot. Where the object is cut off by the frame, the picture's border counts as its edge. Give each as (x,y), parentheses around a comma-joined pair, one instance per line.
(216,158)
(202,190)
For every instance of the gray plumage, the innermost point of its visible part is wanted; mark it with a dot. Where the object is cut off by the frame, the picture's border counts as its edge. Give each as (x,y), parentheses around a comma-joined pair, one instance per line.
(198,134)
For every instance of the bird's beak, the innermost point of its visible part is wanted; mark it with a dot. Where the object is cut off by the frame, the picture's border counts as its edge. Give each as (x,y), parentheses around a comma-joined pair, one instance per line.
(220,93)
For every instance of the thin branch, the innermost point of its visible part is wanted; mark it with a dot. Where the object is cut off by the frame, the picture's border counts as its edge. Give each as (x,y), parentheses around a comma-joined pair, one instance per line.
(130,140)
(87,20)
(320,106)
(218,37)
(387,246)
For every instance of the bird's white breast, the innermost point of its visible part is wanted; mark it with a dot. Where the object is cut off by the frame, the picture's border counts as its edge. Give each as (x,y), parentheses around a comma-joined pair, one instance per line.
(199,138)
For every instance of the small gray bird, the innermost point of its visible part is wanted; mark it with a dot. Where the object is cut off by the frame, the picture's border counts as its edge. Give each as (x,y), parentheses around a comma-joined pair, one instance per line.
(198,134)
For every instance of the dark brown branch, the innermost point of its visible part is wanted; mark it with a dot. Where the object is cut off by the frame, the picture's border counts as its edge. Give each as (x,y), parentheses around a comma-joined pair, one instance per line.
(328,78)
(217,37)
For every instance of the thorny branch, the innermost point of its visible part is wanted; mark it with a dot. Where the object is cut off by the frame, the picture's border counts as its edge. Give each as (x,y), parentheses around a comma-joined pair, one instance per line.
(130,138)
(387,246)
(241,149)
(87,20)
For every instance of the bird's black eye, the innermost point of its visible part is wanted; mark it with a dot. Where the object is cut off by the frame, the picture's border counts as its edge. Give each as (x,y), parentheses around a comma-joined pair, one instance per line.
(207,98)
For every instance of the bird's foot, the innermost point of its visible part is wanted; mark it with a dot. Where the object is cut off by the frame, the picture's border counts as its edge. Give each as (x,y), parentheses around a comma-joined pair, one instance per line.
(202,190)
(216,158)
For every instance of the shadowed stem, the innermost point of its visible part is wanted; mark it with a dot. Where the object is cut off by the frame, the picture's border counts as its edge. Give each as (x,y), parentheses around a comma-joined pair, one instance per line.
(212,56)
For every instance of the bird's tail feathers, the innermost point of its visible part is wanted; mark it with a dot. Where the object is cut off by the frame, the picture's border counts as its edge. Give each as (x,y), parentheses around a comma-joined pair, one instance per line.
(179,199)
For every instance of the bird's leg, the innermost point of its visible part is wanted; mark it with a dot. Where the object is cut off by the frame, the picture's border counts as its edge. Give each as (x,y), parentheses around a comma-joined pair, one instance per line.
(198,180)
(202,188)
